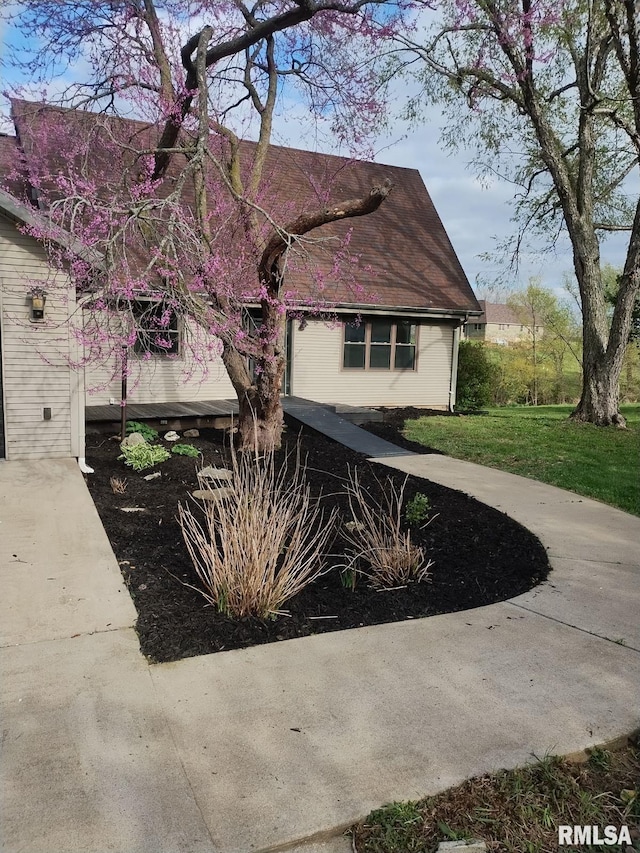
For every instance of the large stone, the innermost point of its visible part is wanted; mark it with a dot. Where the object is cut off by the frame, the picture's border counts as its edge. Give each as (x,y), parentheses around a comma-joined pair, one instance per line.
(172,435)
(214,474)
(191,433)
(212,494)
(474,846)
(132,439)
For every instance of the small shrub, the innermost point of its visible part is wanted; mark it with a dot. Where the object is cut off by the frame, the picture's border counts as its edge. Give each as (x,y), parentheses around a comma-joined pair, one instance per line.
(417,509)
(118,485)
(378,541)
(148,433)
(142,456)
(262,542)
(185,450)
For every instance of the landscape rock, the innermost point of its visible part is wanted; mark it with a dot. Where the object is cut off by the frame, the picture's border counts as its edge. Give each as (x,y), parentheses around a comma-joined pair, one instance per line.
(153,476)
(212,494)
(171,436)
(191,433)
(472,846)
(214,474)
(132,439)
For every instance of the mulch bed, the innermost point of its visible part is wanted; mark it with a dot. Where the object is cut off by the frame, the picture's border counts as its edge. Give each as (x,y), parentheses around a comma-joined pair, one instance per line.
(480,555)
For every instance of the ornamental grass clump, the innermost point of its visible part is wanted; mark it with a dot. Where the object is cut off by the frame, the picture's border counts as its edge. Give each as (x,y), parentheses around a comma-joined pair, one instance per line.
(379,547)
(261,541)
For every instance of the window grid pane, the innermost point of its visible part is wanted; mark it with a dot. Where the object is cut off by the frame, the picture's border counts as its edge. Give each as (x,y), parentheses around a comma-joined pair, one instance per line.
(405,357)
(380,356)
(381,332)
(354,355)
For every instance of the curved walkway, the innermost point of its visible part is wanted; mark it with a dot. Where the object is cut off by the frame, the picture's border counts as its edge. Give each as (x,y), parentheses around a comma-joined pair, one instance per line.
(257,749)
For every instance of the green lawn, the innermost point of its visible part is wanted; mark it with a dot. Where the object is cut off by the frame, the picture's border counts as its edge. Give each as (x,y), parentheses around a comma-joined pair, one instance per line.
(541,443)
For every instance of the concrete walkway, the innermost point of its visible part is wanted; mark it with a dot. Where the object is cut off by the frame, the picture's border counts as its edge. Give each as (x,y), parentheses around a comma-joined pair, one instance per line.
(260,749)
(319,416)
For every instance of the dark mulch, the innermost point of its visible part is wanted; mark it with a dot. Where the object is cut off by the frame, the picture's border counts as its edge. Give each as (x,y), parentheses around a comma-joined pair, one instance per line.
(480,555)
(390,428)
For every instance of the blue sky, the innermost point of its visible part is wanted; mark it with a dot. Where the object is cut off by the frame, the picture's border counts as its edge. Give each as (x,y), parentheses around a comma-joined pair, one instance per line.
(475,216)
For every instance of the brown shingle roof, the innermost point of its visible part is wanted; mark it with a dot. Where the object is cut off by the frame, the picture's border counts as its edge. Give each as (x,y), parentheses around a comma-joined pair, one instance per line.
(403,242)
(9,165)
(496,312)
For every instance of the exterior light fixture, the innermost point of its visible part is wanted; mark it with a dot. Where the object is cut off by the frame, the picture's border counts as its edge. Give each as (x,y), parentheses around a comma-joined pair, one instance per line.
(303,324)
(37,297)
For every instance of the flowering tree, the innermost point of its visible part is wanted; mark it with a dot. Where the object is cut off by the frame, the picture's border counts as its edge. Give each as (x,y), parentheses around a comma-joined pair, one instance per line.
(552,91)
(176,207)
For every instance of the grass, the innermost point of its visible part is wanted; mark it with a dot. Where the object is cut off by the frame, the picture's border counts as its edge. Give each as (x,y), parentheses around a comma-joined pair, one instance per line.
(516,811)
(541,443)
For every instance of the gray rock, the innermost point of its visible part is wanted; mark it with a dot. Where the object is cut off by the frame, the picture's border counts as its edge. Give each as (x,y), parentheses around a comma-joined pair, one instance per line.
(132,439)
(191,433)
(172,435)
(213,495)
(214,474)
(153,476)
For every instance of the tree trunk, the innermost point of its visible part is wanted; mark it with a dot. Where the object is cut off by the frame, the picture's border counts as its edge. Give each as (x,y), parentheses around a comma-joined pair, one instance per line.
(602,348)
(260,418)
(600,396)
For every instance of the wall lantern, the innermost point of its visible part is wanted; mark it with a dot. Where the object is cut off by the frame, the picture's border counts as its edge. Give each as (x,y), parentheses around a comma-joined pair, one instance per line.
(37,298)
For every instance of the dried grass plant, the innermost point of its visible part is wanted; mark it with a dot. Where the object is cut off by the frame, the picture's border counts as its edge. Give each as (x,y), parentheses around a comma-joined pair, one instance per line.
(379,547)
(118,485)
(263,541)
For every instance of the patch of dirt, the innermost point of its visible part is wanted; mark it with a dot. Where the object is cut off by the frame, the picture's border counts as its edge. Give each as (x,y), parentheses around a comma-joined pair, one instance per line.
(480,555)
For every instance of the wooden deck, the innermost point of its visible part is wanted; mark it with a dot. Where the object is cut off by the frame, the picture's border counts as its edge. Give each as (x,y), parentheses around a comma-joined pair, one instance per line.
(163,411)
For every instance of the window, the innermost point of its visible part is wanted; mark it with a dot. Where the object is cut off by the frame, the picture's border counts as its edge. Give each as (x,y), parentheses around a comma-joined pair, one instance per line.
(157,328)
(477,327)
(380,344)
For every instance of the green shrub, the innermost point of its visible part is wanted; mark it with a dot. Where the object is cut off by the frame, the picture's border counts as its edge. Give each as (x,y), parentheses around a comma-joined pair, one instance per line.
(185,450)
(475,377)
(417,509)
(147,432)
(142,456)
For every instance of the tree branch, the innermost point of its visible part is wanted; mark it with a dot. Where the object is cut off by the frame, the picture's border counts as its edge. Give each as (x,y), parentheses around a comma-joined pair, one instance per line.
(282,240)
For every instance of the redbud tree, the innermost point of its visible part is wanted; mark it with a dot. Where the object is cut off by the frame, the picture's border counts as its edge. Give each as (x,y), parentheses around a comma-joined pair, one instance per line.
(174,206)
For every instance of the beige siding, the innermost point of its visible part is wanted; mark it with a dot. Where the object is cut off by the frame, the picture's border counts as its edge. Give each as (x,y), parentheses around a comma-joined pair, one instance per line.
(161,379)
(36,372)
(318,373)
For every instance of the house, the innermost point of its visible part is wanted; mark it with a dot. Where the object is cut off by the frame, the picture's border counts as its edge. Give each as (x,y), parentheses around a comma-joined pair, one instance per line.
(498,324)
(394,345)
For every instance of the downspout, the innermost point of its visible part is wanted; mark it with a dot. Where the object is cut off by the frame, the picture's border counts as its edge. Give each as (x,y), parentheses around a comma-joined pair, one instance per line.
(81,400)
(454,366)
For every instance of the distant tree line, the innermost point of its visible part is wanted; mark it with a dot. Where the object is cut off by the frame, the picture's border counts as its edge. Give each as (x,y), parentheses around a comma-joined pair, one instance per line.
(545,367)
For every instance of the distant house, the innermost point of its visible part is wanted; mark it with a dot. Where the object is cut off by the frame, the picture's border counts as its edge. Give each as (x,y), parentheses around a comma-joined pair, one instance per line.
(402,349)
(497,324)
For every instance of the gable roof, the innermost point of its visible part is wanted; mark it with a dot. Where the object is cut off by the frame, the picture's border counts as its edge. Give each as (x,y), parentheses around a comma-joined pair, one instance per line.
(407,258)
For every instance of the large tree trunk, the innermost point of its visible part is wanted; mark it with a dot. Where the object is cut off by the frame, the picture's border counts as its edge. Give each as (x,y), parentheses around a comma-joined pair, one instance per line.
(603,348)
(600,395)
